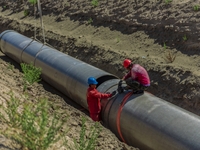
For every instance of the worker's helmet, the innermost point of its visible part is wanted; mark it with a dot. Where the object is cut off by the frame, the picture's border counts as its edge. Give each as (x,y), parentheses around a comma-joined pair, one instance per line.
(127,63)
(92,80)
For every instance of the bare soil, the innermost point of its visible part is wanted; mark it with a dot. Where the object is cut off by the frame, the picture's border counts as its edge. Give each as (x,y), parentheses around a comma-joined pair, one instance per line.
(163,37)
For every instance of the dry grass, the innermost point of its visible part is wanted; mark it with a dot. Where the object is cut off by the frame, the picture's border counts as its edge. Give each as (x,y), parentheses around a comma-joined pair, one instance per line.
(170,57)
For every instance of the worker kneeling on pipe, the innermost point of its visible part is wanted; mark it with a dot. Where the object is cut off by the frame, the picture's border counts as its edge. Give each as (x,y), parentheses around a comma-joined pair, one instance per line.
(94,97)
(137,78)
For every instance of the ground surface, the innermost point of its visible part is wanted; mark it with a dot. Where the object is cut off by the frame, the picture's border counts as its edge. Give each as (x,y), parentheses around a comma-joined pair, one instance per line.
(161,36)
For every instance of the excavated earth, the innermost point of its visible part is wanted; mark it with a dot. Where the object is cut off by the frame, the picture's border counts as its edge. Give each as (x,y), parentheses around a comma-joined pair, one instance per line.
(163,37)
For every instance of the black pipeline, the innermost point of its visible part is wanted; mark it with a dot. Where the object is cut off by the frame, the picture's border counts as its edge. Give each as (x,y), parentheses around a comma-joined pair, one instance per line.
(140,120)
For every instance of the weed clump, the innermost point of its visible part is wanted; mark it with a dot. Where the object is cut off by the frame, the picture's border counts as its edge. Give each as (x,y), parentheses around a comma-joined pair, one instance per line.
(90,143)
(168,1)
(33,127)
(170,57)
(30,125)
(196,8)
(31,74)
(95,3)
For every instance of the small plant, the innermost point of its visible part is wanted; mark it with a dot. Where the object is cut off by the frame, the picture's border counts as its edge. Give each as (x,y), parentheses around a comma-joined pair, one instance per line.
(117,40)
(10,66)
(165,46)
(185,38)
(30,125)
(83,143)
(196,7)
(90,21)
(12,118)
(168,1)
(31,74)
(95,3)
(26,12)
(33,2)
(170,57)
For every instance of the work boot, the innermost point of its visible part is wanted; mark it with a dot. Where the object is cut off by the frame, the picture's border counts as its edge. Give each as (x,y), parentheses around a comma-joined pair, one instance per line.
(127,88)
(138,92)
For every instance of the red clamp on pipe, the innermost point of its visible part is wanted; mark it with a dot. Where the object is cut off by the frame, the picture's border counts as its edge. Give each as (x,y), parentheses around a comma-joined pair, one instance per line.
(126,97)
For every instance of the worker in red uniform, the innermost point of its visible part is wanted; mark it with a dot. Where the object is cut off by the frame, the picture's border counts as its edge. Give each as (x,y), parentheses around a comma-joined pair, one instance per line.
(93,99)
(137,78)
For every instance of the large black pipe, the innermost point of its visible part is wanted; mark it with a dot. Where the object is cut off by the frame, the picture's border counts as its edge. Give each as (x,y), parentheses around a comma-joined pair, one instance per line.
(140,120)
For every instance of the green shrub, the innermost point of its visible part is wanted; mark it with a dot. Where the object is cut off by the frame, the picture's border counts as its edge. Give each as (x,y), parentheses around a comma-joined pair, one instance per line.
(26,12)
(196,7)
(33,2)
(117,40)
(31,126)
(11,115)
(10,66)
(165,46)
(31,74)
(168,1)
(36,129)
(90,21)
(95,3)
(87,144)
(185,38)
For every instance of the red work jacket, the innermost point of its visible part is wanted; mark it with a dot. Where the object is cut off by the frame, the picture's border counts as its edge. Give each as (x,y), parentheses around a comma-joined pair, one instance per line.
(93,99)
(138,73)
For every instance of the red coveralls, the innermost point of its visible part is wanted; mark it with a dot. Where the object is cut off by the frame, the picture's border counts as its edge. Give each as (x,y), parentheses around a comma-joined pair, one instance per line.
(94,104)
(139,74)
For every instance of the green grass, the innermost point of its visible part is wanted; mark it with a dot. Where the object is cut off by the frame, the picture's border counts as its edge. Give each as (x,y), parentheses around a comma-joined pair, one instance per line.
(10,66)
(196,8)
(33,2)
(90,21)
(33,127)
(185,38)
(168,1)
(117,40)
(26,12)
(95,3)
(30,125)
(165,46)
(87,144)
(31,74)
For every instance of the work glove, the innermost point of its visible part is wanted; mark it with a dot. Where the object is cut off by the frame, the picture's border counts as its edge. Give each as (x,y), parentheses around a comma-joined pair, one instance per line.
(120,89)
(113,93)
(121,81)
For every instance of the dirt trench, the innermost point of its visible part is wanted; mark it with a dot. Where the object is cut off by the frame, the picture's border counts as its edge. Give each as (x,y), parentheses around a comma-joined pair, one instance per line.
(146,24)
(165,80)
(11,80)
(69,32)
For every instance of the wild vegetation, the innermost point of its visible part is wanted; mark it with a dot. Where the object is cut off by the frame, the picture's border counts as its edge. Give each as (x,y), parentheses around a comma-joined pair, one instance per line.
(32,126)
